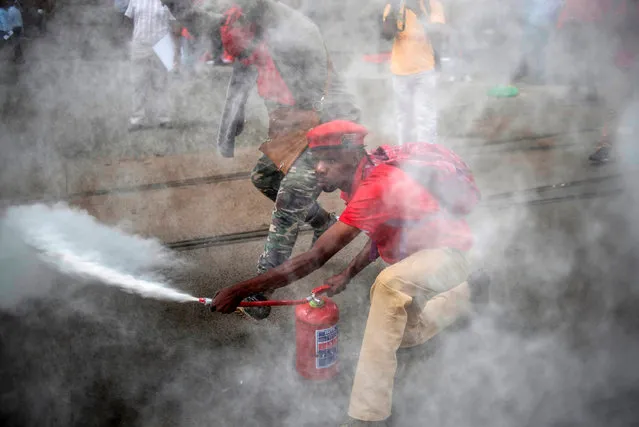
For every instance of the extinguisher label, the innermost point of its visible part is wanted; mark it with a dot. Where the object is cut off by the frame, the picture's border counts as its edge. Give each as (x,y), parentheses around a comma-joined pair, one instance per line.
(326,347)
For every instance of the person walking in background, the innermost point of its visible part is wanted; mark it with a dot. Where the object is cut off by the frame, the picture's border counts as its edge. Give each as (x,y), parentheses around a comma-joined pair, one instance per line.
(539,17)
(5,28)
(414,24)
(152,20)
(283,51)
(621,83)
(14,17)
(580,26)
(11,28)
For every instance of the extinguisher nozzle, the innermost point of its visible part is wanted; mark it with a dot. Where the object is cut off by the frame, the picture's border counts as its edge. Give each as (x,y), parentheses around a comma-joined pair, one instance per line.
(205,301)
(208,302)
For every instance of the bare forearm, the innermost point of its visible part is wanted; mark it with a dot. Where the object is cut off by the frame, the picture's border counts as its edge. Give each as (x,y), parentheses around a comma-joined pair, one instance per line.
(361,261)
(331,242)
(288,272)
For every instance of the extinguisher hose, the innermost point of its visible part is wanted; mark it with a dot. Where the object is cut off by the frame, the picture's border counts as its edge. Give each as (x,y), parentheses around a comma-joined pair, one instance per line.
(275,303)
(284,302)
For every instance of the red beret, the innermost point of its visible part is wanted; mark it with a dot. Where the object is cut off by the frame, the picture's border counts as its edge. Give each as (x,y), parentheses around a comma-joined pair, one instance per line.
(336,134)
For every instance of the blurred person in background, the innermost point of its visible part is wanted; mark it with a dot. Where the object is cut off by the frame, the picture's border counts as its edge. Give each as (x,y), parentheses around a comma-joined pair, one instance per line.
(282,51)
(202,20)
(38,11)
(14,17)
(539,18)
(11,28)
(152,20)
(414,24)
(585,46)
(5,28)
(621,82)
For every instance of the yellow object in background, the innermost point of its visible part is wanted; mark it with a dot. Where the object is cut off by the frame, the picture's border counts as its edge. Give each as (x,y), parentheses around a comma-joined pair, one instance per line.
(412,51)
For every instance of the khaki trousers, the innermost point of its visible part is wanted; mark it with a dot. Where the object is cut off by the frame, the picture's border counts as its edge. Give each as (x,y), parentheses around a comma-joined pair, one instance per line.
(411,301)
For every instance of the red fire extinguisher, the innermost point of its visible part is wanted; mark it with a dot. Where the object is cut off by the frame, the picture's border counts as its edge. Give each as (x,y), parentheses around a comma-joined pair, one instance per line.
(316,330)
(316,337)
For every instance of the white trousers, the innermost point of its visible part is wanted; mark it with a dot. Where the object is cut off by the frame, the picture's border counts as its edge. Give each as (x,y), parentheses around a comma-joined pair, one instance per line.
(150,86)
(416,107)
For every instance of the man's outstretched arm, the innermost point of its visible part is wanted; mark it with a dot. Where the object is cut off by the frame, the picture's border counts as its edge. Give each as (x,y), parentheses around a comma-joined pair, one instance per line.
(331,242)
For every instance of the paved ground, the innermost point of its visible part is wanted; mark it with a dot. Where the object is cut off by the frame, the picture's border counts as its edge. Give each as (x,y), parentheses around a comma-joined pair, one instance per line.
(554,348)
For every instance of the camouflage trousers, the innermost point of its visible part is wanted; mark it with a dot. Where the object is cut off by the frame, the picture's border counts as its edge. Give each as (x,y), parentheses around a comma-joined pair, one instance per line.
(295,197)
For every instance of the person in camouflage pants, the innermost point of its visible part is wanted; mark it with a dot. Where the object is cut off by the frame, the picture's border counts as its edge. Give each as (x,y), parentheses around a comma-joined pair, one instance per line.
(283,52)
(294,195)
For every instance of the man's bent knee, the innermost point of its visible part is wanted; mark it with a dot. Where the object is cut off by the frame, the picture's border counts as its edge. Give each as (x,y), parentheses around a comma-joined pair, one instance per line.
(388,277)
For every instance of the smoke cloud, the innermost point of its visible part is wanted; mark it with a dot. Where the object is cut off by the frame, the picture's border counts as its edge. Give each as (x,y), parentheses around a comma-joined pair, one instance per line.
(74,242)
(555,347)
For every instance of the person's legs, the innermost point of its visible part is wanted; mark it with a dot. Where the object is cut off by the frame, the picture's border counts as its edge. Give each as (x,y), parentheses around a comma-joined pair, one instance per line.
(161,94)
(397,319)
(573,47)
(18,57)
(425,107)
(534,41)
(296,196)
(617,91)
(292,194)
(403,94)
(266,177)
(140,83)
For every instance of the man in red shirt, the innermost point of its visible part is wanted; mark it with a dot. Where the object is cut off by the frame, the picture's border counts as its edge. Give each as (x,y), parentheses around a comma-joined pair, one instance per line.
(415,227)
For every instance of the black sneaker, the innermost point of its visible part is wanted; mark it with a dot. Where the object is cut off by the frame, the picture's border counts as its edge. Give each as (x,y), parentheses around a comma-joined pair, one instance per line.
(317,232)
(255,313)
(601,155)
(479,283)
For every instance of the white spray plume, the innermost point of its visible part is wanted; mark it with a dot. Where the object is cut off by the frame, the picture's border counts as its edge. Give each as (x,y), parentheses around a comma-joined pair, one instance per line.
(76,244)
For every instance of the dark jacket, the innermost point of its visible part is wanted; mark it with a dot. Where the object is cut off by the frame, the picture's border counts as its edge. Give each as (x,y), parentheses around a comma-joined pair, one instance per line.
(299,53)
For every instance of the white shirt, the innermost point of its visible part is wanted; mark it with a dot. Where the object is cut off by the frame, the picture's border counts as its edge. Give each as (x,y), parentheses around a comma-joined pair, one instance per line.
(151,20)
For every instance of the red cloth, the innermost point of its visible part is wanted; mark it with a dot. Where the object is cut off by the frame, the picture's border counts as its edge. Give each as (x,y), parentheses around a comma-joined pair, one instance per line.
(270,84)
(336,133)
(581,11)
(236,39)
(185,33)
(377,58)
(400,215)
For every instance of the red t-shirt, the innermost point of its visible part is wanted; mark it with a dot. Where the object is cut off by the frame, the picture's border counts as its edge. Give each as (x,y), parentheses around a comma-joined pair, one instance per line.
(401,216)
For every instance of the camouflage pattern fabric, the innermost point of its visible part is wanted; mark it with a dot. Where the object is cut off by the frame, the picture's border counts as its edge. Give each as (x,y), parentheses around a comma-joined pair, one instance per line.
(294,195)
